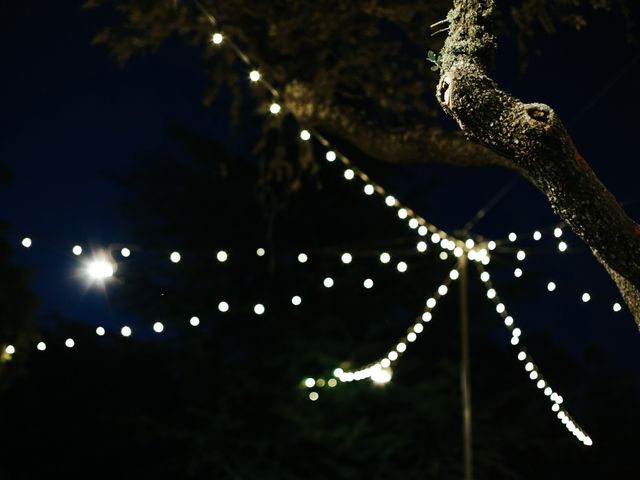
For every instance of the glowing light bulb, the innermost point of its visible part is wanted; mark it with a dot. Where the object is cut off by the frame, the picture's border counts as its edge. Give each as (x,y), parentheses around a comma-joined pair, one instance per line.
(194,321)
(491,245)
(458,252)
(346,258)
(413,223)
(309,383)
(175,257)
(274,108)
(368,283)
(521,255)
(562,246)
(393,356)
(305,135)
(328,282)
(491,293)
(41,346)
(617,307)
(422,231)
(557,232)
(515,340)
(484,276)
(500,308)
(254,75)
(469,243)
(217,38)
(537,235)
(100,331)
(385,257)
(548,391)
(418,328)
(435,238)
(125,252)
(100,269)
(258,309)
(349,174)
(332,382)
(431,302)
(586,297)
(260,252)
(454,274)
(125,331)
(369,189)
(401,267)
(442,290)
(402,213)
(411,337)
(313,396)
(541,384)
(528,366)
(26,242)
(382,376)
(158,327)
(223,307)
(443,255)
(422,247)
(517,272)
(222,256)
(77,250)
(508,321)
(69,343)
(10,349)
(401,347)
(551,286)
(516,332)
(390,201)
(330,156)
(513,237)
(522,356)
(302,258)
(533,375)
(426,317)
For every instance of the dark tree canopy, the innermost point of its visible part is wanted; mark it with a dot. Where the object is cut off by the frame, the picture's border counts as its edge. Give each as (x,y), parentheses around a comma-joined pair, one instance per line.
(357,71)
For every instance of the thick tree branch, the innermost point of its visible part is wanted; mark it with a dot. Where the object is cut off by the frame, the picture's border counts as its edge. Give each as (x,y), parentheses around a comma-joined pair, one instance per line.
(532,136)
(416,145)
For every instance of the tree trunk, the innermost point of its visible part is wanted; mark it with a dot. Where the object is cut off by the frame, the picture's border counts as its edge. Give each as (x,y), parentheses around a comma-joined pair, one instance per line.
(532,136)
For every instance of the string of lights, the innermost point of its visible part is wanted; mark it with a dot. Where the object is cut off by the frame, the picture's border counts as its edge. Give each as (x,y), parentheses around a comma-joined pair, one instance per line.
(530,365)
(380,371)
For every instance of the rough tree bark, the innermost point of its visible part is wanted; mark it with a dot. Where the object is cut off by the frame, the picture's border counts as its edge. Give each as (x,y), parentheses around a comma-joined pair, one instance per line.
(532,137)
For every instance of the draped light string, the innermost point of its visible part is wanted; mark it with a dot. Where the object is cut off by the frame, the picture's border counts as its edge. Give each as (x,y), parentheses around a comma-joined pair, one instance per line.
(100,266)
(557,233)
(380,371)
(530,366)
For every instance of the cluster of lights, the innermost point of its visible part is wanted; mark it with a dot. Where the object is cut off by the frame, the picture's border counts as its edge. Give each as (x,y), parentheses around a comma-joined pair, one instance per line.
(530,367)
(380,371)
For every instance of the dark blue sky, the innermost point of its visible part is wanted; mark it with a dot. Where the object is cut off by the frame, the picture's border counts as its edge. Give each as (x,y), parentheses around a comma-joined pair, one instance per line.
(70,115)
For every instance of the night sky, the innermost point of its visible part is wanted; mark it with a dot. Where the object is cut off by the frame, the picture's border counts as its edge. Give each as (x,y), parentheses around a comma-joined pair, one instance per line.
(72,120)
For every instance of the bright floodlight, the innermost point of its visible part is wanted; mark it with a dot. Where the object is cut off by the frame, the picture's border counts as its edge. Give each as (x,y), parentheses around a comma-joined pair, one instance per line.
(254,75)
(100,269)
